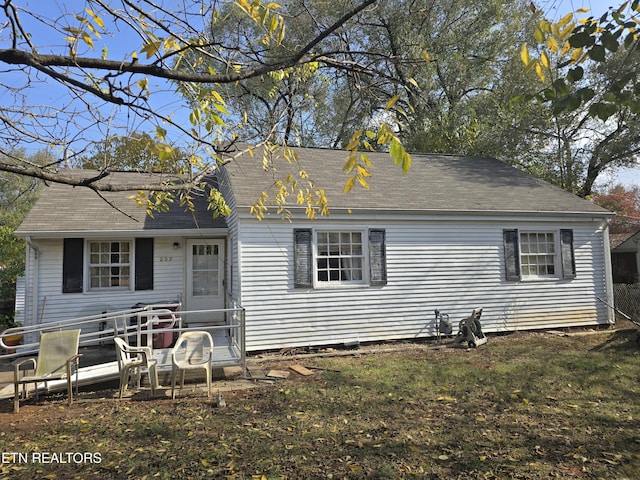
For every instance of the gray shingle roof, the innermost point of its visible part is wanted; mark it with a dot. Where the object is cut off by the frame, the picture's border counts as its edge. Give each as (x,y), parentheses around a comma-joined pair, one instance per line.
(435,183)
(62,208)
(442,183)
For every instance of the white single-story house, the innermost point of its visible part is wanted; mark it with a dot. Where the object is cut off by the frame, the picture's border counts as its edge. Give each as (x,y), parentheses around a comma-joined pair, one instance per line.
(454,234)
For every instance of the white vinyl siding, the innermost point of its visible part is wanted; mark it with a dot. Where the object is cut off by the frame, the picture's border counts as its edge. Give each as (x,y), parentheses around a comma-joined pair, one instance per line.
(53,305)
(454,266)
(233,273)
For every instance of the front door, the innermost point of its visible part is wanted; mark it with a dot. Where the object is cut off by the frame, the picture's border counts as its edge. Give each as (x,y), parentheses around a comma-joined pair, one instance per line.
(205,279)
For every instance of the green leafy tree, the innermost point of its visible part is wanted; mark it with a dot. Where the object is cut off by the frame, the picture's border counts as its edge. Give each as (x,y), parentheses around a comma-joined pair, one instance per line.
(438,65)
(17,195)
(138,151)
(589,71)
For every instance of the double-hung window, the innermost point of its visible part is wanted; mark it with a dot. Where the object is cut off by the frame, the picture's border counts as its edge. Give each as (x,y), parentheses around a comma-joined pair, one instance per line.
(326,258)
(539,254)
(109,264)
(339,257)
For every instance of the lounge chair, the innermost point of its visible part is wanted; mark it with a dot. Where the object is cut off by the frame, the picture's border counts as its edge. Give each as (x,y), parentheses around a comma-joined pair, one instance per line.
(57,359)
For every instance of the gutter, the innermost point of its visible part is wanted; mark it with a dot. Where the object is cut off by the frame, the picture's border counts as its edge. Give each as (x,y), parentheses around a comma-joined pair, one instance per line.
(168,232)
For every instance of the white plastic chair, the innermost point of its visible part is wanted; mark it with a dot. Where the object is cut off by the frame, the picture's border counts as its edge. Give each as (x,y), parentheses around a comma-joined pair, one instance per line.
(131,361)
(193,350)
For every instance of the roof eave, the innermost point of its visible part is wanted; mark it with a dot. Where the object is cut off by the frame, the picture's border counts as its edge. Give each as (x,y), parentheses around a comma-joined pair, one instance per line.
(165,232)
(440,212)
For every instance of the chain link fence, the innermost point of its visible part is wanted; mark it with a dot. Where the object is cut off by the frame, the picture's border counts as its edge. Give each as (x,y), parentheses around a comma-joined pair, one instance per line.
(627,299)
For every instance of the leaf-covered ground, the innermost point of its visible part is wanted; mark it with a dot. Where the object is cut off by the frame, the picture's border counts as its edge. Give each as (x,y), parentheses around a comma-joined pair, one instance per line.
(524,406)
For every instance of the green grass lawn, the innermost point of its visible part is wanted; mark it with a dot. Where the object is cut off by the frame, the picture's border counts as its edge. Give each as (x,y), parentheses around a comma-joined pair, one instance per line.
(524,406)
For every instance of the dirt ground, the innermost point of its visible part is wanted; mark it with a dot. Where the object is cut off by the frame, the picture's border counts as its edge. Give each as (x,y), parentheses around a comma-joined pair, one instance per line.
(52,408)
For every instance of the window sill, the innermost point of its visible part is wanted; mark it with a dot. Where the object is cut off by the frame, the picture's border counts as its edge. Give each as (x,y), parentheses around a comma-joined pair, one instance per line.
(336,285)
(540,279)
(99,291)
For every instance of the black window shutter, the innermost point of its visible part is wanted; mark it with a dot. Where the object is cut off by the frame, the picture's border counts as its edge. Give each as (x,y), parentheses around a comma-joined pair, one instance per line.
(144,263)
(377,257)
(567,255)
(72,265)
(302,258)
(511,255)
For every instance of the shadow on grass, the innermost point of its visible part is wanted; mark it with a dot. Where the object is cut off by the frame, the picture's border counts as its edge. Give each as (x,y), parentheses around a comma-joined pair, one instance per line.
(622,341)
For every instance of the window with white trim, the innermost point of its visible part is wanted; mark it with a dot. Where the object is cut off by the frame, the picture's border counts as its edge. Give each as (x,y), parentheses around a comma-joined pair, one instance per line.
(109,264)
(339,257)
(538,254)
(533,255)
(99,264)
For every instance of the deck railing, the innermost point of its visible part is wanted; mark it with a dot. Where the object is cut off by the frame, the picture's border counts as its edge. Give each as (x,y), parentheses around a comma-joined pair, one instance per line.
(138,325)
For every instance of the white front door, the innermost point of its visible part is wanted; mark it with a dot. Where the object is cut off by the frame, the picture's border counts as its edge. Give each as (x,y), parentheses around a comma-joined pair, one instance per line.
(205,279)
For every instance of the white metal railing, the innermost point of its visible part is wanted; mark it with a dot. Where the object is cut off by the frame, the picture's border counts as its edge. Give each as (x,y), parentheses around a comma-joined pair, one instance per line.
(143,325)
(95,329)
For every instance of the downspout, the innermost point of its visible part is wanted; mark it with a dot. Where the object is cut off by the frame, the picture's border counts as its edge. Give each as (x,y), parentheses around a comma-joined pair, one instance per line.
(34,282)
(608,272)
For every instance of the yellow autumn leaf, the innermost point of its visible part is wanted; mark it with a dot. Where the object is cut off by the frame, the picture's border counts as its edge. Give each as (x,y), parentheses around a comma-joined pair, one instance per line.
(391,102)
(552,44)
(575,55)
(546,27)
(544,59)
(87,39)
(524,54)
(281,34)
(539,71)
(363,172)
(349,185)
(565,48)
(363,182)
(565,20)
(98,21)
(566,32)
(355,140)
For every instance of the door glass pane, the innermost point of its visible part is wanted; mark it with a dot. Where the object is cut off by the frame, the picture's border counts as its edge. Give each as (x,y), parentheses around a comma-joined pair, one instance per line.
(204,270)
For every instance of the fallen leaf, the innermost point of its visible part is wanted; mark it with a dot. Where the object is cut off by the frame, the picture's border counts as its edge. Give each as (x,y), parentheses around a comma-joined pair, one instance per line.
(446,399)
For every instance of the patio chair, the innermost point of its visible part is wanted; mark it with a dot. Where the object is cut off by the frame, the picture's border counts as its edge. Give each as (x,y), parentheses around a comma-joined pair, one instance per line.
(193,350)
(57,360)
(131,362)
